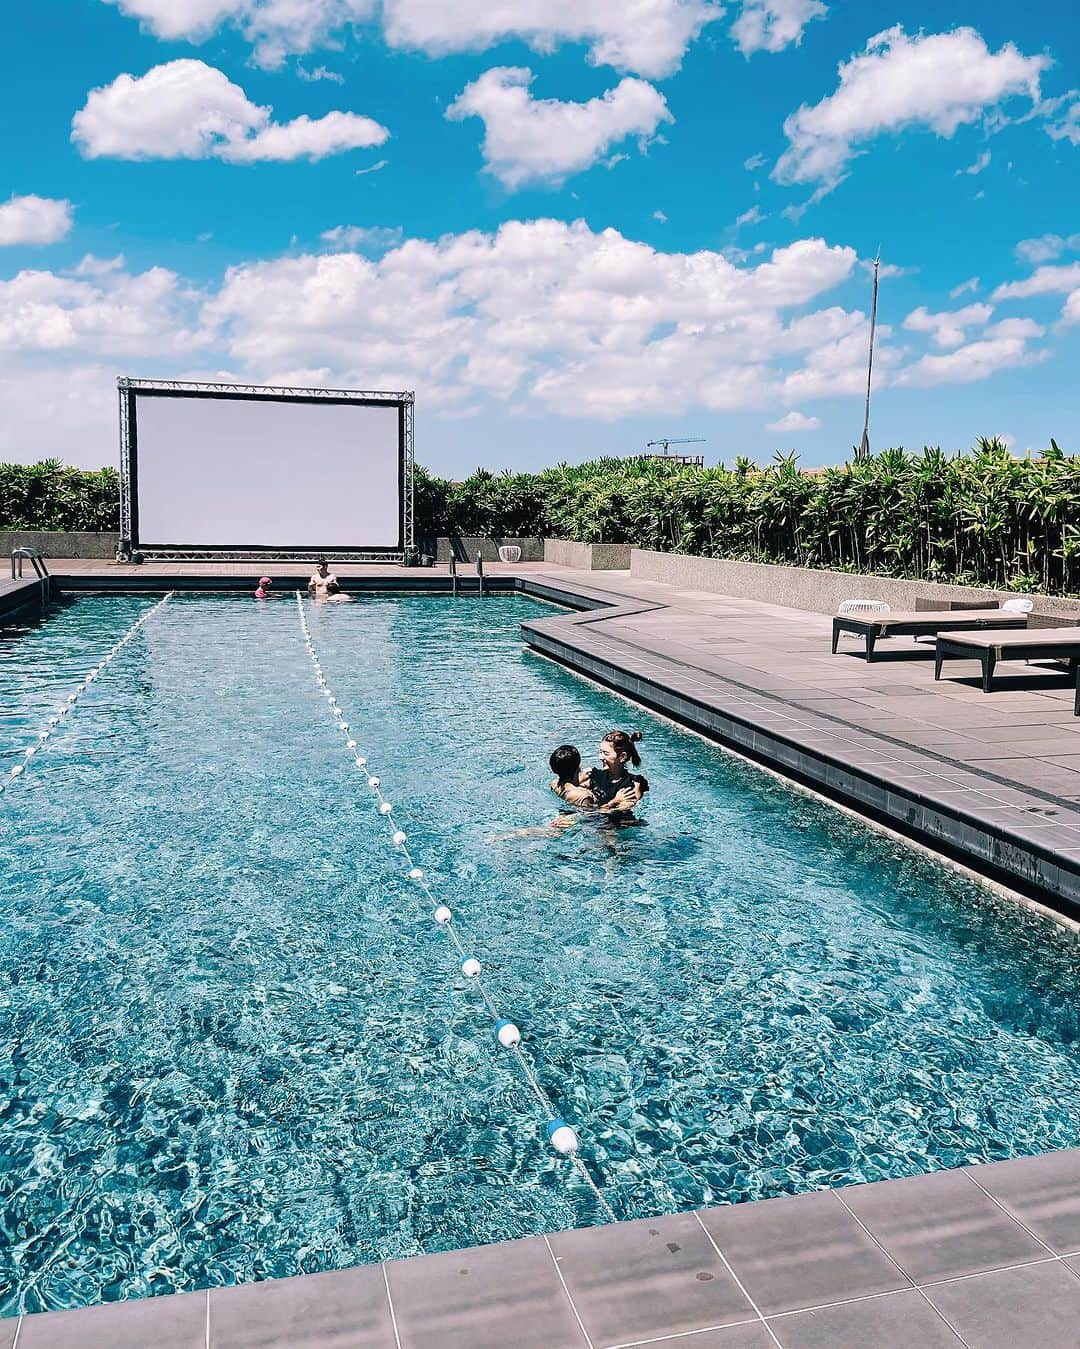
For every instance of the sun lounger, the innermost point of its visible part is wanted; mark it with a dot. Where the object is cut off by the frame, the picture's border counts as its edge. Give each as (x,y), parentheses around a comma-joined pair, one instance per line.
(919,624)
(1035,643)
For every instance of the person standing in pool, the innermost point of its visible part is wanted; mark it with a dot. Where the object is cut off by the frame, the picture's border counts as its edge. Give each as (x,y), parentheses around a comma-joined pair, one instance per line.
(610,788)
(611,784)
(263,592)
(323,582)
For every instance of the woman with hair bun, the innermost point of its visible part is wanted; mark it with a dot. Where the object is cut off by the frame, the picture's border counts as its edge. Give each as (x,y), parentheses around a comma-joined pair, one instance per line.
(611,784)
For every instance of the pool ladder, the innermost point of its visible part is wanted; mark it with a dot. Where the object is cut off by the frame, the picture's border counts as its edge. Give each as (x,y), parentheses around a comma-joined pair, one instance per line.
(40,569)
(479,574)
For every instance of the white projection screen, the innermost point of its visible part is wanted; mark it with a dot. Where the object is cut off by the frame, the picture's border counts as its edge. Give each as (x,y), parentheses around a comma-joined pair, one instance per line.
(227,470)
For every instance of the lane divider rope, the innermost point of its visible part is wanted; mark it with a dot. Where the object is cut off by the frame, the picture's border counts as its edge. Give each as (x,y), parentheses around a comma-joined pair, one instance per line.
(562,1137)
(60,716)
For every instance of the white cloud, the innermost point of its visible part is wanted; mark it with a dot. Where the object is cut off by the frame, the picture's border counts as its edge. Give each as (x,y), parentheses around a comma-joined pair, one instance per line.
(543,316)
(648,37)
(941,82)
(1000,350)
(189,110)
(794,421)
(319,73)
(1046,248)
(968,287)
(276,28)
(1071,312)
(947,329)
(373,168)
(307,138)
(838,365)
(1014,328)
(101,312)
(772,25)
(34,220)
(1062,117)
(373,238)
(89,265)
(659,215)
(754,162)
(750,217)
(1043,281)
(67,413)
(544,140)
(981,162)
(551,315)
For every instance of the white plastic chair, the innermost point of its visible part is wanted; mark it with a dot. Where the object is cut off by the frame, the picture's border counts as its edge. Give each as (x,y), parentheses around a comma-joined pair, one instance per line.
(1017,607)
(863,607)
(509,552)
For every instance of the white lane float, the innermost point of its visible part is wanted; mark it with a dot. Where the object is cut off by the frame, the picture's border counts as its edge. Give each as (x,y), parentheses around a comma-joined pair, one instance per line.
(560,1135)
(57,718)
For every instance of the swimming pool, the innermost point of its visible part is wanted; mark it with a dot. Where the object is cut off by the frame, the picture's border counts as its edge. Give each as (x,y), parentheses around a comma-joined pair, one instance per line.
(235,1046)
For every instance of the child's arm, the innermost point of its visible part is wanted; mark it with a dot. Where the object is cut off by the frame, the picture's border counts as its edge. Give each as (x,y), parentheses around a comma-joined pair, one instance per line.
(574,796)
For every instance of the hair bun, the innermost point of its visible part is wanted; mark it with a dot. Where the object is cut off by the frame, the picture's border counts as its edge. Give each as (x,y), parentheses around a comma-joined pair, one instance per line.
(635,736)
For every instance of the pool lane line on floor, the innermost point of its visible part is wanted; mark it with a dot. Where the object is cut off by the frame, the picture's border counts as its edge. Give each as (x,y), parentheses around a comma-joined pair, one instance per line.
(60,716)
(560,1135)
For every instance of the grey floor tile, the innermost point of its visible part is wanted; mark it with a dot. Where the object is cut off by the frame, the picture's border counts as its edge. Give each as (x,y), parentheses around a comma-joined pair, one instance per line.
(651,1277)
(1036,1306)
(800,1252)
(486,1297)
(8,1327)
(345,1309)
(940,1226)
(898,1321)
(1043,1192)
(751,1335)
(175,1322)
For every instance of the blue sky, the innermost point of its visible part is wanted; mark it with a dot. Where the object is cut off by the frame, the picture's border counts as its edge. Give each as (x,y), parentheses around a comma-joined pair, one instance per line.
(570,225)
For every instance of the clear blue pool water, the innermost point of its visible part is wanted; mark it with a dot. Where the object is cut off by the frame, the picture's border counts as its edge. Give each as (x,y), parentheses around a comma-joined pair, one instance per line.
(234,1046)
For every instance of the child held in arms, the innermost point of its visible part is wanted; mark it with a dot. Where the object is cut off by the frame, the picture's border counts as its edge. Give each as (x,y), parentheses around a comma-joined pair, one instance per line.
(610,788)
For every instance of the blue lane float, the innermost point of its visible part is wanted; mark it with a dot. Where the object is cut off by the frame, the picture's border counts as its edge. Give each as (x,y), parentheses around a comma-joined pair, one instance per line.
(561,1137)
(64,711)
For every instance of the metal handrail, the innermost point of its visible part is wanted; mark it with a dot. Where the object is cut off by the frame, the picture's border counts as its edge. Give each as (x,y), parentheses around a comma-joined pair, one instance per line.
(40,569)
(480,571)
(453,575)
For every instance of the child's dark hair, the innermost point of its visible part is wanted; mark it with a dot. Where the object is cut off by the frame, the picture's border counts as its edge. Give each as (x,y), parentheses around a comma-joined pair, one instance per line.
(565,764)
(625,743)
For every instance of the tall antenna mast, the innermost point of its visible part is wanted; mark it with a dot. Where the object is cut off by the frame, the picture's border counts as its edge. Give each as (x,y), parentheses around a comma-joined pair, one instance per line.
(863,451)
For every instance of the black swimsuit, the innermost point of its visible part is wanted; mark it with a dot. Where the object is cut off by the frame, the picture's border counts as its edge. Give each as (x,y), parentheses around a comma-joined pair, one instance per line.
(604,788)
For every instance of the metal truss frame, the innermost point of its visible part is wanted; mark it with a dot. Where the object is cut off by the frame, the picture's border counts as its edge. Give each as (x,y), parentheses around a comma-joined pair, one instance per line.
(126,389)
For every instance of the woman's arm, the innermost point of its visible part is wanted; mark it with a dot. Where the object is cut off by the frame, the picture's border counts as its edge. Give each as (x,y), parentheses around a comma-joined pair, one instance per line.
(624,800)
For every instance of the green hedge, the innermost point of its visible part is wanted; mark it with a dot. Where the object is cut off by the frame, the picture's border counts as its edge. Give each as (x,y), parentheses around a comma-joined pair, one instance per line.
(983,518)
(50,496)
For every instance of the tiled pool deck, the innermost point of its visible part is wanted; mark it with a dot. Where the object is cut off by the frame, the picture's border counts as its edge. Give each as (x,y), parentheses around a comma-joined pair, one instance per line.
(991,778)
(986,1257)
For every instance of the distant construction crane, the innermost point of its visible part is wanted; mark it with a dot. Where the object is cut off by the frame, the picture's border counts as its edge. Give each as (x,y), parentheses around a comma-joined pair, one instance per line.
(698,460)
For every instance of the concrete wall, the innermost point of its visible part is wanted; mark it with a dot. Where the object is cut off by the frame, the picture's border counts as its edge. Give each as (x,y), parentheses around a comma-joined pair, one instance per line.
(532,550)
(819,592)
(588,556)
(59,543)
